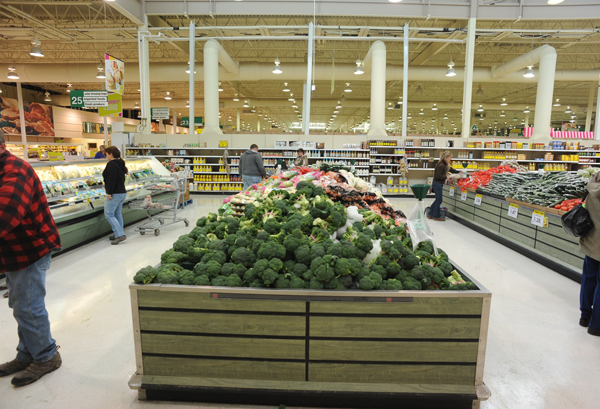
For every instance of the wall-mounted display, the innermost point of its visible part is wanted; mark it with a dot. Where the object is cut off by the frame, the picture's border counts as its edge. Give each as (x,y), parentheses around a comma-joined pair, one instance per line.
(39,120)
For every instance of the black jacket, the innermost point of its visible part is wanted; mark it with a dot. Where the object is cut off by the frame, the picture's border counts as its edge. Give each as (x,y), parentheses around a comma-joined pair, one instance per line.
(114,177)
(441,172)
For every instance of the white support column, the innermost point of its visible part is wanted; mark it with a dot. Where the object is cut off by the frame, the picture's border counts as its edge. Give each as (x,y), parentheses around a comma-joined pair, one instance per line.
(105,131)
(192,95)
(258,125)
(468,85)
(405,83)
(309,73)
(527,120)
(211,88)
(239,120)
(597,120)
(590,108)
(144,66)
(544,96)
(376,59)
(174,120)
(22,119)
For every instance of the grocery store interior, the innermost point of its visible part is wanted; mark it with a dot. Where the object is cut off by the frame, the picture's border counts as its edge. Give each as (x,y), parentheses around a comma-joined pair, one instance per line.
(374,92)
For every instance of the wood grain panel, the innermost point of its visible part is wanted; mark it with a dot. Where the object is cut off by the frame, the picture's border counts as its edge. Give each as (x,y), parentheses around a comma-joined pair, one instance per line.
(223,347)
(202,301)
(407,374)
(215,368)
(525,229)
(486,223)
(393,351)
(567,258)
(215,323)
(391,327)
(495,210)
(446,306)
(463,213)
(518,237)
(561,243)
(494,218)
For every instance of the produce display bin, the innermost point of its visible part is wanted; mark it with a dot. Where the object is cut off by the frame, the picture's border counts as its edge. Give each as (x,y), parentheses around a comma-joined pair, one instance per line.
(548,244)
(310,347)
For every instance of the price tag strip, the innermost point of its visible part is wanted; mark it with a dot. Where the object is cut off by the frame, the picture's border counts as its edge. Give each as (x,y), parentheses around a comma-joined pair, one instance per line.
(513,210)
(478,200)
(537,218)
(463,196)
(451,194)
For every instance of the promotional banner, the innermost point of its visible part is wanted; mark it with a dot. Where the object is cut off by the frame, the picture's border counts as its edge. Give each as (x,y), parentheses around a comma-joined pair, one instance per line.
(38,118)
(114,70)
(88,99)
(114,107)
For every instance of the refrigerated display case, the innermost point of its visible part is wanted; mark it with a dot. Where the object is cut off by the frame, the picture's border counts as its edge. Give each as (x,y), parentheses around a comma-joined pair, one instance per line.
(76,195)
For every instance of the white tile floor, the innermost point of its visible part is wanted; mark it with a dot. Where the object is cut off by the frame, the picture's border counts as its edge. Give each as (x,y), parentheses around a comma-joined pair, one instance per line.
(538,357)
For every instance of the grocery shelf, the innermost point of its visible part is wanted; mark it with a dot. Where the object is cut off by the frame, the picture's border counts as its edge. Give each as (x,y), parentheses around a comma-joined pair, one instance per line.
(202,181)
(420,168)
(384,174)
(387,154)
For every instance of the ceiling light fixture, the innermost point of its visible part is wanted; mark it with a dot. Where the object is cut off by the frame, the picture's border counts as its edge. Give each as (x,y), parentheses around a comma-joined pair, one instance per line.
(557,103)
(502,114)
(394,1)
(137,105)
(348,89)
(100,71)
(236,98)
(47,98)
(359,70)
(285,87)
(246,105)
(69,88)
(480,109)
(187,70)
(421,113)
(220,87)
(504,103)
(568,110)
(291,98)
(187,104)
(451,71)
(529,73)
(554,2)
(12,73)
(526,110)
(36,50)
(445,116)
(277,68)
(168,97)
(479,91)
(434,107)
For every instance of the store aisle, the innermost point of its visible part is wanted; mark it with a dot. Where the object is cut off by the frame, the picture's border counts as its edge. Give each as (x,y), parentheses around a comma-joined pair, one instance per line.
(538,356)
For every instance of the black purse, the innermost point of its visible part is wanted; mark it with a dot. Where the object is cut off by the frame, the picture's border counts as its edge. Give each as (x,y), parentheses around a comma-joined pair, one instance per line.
(577,221)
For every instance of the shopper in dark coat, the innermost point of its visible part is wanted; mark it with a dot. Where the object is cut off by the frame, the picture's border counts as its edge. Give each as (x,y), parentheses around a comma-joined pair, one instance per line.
(439,178)
(28,235)
(251,167)
(590,276)
(114,183)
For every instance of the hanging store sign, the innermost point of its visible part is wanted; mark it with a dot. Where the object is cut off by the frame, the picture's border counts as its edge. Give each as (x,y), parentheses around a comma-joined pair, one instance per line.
(114,107)
(198,121)
(159,113)
(88,99)
(114,71)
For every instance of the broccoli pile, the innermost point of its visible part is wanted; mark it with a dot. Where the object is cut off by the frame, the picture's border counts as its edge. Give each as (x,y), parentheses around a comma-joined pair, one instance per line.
(303,240)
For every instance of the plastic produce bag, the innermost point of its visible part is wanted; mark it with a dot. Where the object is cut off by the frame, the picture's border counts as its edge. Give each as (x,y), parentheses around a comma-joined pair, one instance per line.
(418,228)
(577,221)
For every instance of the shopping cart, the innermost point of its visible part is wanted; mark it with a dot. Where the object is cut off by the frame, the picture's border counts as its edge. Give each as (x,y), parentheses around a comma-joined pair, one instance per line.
(166,207)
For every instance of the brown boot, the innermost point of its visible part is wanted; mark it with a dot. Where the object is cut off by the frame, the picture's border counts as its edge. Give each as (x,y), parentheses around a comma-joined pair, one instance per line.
(12,367)
(36,370)
(439,219)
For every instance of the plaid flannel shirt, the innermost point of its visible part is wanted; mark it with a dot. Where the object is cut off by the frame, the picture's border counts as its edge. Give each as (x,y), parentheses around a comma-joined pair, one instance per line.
(27,229)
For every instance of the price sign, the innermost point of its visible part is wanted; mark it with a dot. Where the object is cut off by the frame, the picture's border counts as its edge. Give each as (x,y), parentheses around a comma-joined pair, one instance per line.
(451,192)
(71,203)
(513,210)
(88,200)
(537,218)
(478,200)
(88,99)
(463,196)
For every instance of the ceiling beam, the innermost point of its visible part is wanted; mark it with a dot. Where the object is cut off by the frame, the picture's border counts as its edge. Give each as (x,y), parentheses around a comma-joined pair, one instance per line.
(156,21)
(132,9)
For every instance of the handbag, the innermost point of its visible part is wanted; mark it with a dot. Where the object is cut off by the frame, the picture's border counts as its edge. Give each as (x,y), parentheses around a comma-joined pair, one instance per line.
(577,221)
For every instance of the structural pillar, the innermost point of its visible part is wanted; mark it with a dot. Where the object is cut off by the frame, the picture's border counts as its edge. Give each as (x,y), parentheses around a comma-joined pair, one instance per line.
(239,120)
(597,121)
(376,60)
(527,120)
(144,62)
(308,85)
(468,85)
(405,82)
(211,88)
(258,125)
(544,96)
(192,95)
(590,108)
(22,119)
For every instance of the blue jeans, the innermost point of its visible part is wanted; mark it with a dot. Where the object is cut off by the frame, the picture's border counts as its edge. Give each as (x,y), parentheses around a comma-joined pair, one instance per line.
(26,292)
(438,189)
(590,292)
(250,180)
(112,212)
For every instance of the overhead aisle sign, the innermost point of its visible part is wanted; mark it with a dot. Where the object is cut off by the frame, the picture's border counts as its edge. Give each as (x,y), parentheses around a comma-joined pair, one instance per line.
(88,99)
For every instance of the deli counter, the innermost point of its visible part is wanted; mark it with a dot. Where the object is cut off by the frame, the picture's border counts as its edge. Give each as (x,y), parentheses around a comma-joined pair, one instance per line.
(76,195)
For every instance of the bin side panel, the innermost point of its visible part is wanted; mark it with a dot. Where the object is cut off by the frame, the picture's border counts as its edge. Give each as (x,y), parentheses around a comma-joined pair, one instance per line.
(418,305)
(407,374)
(219,368)
(203,301)
(175,344)
(217,323)
(393,327)
(393,351)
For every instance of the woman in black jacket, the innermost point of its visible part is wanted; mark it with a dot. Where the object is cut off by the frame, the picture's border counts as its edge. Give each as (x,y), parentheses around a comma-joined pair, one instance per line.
(114,183)
(439,178)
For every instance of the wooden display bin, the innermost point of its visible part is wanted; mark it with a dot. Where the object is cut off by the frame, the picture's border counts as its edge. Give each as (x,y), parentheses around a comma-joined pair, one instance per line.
(310,348)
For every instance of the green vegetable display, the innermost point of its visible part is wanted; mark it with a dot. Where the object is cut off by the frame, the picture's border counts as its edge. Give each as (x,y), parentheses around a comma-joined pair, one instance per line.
(303,240)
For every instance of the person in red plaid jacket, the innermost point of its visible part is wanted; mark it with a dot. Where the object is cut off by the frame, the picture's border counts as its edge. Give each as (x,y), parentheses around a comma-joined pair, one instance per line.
(28,235)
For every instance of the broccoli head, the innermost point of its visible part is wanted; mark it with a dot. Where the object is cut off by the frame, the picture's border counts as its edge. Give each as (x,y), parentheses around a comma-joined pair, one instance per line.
(393,269)
(227,269)
(275,264)
(391,285)
(219,281)
(297,282)
(234,280)
(202,280)
(271,250)
(272,226)
(303,254)
(281,282)
(217,256)
(410,283)
(348,250)
(335,249)
(370,282)
(173,256)
(242,256)
(145,276)
(409,261)
(186,277)
(342,267)
(182,243)
(317,250)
